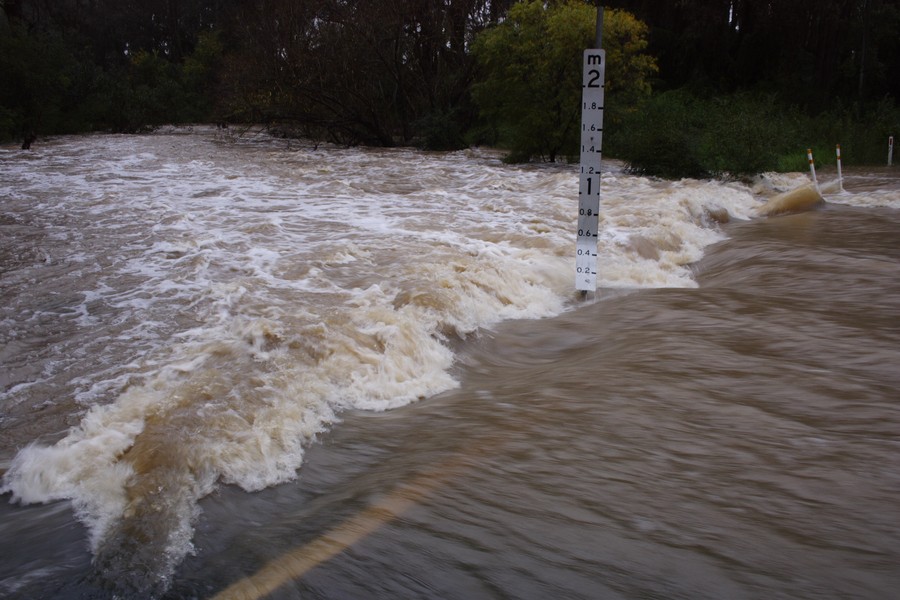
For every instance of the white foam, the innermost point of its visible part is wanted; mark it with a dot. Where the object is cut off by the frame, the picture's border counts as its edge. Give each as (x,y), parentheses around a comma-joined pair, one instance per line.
(871,188)
(866,198)
(240,302)
(770,183)
(81,467)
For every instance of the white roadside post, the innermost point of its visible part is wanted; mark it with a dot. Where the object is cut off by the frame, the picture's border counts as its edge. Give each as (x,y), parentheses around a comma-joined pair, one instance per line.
(890,150)
(840,175)
(592,82)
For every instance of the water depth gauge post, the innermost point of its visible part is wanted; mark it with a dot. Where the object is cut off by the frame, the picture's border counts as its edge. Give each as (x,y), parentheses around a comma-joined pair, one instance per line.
(592,82)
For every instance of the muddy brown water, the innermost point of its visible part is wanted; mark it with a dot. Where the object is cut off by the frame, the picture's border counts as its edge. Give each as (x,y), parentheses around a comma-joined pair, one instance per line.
(222,355)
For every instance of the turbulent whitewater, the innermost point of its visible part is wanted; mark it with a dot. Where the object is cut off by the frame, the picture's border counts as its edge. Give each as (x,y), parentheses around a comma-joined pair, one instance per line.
(192,308)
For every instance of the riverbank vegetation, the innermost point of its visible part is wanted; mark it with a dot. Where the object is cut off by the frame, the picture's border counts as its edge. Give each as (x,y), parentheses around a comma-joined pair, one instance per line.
(680,133)
(708,87)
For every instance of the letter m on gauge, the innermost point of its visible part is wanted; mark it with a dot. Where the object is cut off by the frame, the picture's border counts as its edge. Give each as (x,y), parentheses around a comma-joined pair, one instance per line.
(592,82)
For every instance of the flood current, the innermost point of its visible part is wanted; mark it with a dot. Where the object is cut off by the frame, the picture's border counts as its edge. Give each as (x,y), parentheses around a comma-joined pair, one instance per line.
(234,366)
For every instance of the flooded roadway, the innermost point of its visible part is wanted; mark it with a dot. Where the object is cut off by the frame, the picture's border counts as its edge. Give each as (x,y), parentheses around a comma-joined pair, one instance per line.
(721,420)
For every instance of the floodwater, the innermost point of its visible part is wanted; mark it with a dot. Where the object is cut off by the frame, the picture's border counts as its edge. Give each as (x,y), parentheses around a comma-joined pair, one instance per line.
(240,367)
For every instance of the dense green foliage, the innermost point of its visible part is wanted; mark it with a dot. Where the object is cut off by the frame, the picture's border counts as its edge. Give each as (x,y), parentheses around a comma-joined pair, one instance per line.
(49,83)
(676,133)
(531,89)
(748,85)
(741,85)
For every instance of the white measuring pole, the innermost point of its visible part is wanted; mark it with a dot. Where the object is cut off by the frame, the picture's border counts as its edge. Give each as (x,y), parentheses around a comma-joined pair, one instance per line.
(890,150)
(592,82)
(840,175)
(812,167)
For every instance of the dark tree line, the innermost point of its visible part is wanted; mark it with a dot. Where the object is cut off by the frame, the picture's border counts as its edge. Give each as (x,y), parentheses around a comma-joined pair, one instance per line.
(394,71)
(813,51)
(352,71)
(371,71)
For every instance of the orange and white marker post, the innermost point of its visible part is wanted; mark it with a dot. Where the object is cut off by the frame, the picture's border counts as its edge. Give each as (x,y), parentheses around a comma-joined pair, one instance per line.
(812,167)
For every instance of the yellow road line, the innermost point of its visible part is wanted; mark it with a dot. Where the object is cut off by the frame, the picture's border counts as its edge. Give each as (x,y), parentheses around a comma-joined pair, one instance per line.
(299,561)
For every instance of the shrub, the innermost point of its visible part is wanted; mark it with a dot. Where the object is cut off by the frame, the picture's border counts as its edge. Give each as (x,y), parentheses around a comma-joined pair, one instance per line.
(661,136)
(530,68)
(680,134)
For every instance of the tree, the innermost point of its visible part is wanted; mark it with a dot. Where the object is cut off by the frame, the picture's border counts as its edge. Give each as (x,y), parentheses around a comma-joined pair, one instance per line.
(530,64)
(378,72)
(814,52)
(36,76)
